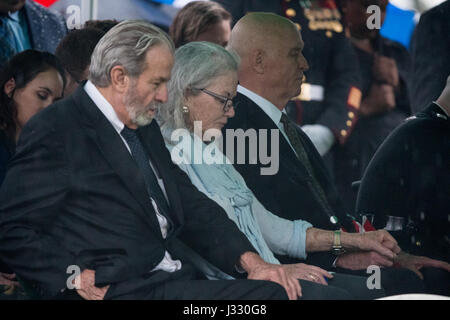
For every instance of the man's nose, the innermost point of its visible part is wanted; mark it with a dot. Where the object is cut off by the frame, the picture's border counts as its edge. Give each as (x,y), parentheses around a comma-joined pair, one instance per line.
(162,94)
(303,63)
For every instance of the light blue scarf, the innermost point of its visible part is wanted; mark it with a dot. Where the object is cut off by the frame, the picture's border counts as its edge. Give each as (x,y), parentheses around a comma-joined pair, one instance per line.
(223,184)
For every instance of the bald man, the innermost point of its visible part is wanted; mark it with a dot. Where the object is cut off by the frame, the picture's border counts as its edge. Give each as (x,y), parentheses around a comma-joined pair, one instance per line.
(270,74)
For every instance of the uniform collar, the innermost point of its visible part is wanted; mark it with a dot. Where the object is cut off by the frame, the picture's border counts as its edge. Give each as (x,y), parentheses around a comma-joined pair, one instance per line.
(445,114)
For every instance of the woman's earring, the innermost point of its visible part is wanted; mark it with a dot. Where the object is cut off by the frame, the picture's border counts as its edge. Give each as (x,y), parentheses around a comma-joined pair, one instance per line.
(185,109)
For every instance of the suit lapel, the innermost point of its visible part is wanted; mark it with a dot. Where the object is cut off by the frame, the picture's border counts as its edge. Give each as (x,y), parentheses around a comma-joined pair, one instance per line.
(260,120)
(116,154)
(35,28)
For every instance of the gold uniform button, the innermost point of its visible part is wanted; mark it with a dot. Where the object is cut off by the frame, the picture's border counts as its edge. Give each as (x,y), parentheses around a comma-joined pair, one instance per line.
(329,34)
(351,115)
(291,13)
(343,133)
(299,27)
(349,123)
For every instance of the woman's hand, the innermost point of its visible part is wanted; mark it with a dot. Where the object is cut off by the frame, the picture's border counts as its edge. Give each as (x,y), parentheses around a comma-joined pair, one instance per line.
(308,272)
(258,269)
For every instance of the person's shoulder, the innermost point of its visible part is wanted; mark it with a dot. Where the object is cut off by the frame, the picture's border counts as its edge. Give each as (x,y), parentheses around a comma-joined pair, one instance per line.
(433,113)
(243,106)
(422,123)
(56,117)
(441,11)
(38,14)
(436,18)
(4,144)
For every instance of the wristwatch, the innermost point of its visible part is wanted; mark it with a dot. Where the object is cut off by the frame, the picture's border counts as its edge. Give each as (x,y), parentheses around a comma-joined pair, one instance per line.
(338,249)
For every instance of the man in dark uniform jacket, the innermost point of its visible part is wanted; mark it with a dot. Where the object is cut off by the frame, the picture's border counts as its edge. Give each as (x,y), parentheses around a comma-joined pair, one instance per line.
(430,50)
(327,106)
(409,177)
(384,71)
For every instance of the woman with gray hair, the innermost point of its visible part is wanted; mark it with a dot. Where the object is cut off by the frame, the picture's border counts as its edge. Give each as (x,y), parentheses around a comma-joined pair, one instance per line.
(201,89)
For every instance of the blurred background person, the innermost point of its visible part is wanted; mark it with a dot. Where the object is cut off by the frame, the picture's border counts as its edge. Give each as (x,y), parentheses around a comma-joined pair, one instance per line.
(201,21)
(74,52)
(430,50)
(25,24)
(384,72)
(31,81)
(104,25)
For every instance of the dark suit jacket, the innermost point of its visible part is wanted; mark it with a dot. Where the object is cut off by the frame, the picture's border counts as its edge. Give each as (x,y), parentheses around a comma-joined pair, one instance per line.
(74,196)
(286,193)
(430,49)
(6,152)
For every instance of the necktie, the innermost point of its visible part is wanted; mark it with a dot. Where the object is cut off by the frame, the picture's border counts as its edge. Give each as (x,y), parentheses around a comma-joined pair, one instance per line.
(297,144)
(140,156)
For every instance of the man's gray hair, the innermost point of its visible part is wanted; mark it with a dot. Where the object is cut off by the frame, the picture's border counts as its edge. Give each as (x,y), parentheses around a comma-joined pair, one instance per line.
(196,65)
(126,45)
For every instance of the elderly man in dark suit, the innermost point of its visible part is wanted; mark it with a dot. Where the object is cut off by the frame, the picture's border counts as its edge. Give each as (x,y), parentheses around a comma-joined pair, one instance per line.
(272,65)
(25,24)
(92,188)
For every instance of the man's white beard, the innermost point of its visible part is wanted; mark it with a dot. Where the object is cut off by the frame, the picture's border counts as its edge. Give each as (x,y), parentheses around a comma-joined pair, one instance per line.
(138,114)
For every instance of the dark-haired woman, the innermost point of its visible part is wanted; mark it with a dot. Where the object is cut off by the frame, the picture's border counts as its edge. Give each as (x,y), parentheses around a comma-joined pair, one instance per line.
(31,81)
(201,21)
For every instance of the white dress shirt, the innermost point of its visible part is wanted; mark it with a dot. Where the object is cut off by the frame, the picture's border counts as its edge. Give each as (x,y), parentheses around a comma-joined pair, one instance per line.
(268,107)
(167,264)
(321,136)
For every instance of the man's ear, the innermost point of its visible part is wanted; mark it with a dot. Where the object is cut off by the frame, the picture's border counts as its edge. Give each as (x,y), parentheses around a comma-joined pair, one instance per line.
(258,61)
(9,87)
(119,79)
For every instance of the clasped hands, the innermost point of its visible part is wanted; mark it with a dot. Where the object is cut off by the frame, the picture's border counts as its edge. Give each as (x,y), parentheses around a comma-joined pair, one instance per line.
(381,96)
(381,249)
(369,248)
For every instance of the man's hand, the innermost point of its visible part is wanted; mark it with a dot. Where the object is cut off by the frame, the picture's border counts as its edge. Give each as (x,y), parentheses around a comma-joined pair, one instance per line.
(258,269)
(415,263)
(385,70)
(361,260)
(381,98)
(307,272)
(379,241)
(87,289)
(8,279)
(8,284)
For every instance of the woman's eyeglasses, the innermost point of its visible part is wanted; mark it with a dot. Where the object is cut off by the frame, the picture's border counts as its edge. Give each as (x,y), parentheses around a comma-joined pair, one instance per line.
(227,102)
